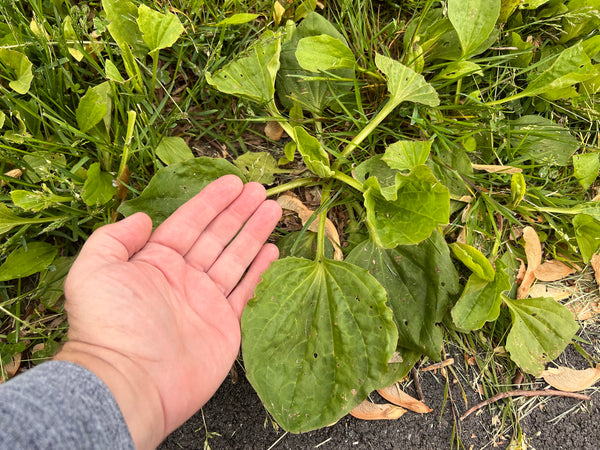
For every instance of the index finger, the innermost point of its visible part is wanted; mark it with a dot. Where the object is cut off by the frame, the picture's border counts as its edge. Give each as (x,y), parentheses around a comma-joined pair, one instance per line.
(182,228)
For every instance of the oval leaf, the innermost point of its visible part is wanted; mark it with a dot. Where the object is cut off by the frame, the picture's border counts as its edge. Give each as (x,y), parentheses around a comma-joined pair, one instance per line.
(25,261)
(317,338)
(541,330)
(158,30)
(98,188)
(172,186)
(323,53)
(21,66)
(474,21)
(406,155)
(315,158)
(571,380)
(173,149)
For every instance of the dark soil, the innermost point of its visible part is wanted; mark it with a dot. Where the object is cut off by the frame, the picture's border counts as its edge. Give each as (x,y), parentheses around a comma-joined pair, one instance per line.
(236,419)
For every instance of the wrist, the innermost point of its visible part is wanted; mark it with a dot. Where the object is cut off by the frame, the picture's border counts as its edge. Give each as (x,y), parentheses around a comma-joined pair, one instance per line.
(137,397)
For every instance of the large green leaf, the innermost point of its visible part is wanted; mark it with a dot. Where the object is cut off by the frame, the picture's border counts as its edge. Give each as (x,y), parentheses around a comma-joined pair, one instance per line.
(542,140)
(404,84)
(586,168)
(406,155)
(21,66)
(99,187)
(587,232)
(541,330)
(584,17)
(158,30)
(173,185)
(25,261)
(251,76)
(323,53)
(419,204)
(315,158)
(419,280)
(91,110)
(9,220)
(474,21)
(123,26)
(295,84)
(316,340)
(480,301)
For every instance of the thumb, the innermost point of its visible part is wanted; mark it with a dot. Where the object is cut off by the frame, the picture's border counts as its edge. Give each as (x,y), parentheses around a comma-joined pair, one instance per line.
(118,241)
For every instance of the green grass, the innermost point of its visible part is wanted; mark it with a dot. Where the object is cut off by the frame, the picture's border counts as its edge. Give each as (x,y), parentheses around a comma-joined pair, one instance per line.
(42,135)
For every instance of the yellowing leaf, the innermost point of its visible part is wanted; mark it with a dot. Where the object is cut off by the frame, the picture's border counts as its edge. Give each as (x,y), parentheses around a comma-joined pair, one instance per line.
(533,250)
(553,270)
(373,411)
(543,290)
(398,397)
(571,380)
(497,169)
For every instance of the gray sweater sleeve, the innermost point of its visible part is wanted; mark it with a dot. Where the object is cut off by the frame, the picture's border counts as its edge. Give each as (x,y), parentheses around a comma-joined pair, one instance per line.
(62,405)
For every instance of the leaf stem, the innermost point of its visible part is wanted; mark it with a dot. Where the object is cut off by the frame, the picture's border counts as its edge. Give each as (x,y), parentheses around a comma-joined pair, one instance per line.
(322,221)
(348,180)
(292,185)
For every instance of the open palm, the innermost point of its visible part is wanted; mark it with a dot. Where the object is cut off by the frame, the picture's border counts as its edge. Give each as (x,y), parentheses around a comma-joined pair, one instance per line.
(171,300)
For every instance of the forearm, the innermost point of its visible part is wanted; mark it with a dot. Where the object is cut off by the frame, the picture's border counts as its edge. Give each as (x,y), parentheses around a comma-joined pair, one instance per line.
(130,386)
(60,405)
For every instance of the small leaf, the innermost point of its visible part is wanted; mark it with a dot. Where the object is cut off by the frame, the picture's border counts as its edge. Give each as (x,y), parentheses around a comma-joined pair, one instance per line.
(98,188)
(474,21)
(571,380)
(173,149)
(419,204)
(406,155)
(480,301)
(404,84)
(459,69)
(37,201)
(25,261)
(258,166)
(252,76)
(112,73)
(587,232)
(474,260)
(317,338)
(324,53)
(368,410)
(419,281)
(553,270)
(302,245)
(158,30)
(315,158)
(173,185)
(541,330)
(8,220)
(21,66)
(238,19)
(518,188)
(91,110)
(586,168)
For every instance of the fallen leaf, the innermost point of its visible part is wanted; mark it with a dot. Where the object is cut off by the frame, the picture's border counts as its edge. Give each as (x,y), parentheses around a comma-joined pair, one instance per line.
(595,261)
(398,397)
(553,270)
(292,203)
(13,366)
(584,310)
(494,169)
(521,272)
(533,250)
(396,358)
(273,130)
(571,380)
(14,173)
(278,12)
(374,411)
(543,290)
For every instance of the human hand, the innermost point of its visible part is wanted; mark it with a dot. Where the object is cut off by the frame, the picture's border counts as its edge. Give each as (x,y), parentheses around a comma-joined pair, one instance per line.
(157,315)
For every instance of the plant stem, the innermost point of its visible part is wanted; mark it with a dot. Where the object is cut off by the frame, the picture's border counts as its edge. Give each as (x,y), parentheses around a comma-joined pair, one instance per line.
(366,131)
(348,180)
(154,71)
(292,185)
(322,221)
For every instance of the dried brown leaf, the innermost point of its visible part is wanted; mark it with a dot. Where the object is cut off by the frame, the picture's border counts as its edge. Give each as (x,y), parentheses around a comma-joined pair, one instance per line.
(553,270)
(14,173)
(521,272)
(373,411)
(398,397)
(571,380)
(533,250)
(543,290)
(583,310)
(595,262)
(292,203)
(13,366)
(495,169)
(273,130)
